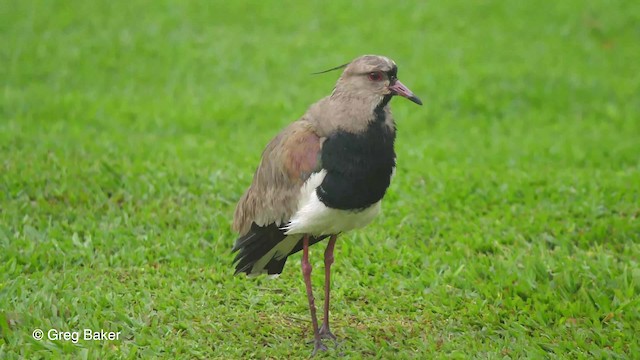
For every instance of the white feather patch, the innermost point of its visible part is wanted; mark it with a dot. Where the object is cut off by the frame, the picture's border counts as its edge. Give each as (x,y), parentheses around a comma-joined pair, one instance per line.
(279,251)
(315,218)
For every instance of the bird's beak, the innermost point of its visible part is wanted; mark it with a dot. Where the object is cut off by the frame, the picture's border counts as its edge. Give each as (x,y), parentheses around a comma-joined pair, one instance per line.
(398,88)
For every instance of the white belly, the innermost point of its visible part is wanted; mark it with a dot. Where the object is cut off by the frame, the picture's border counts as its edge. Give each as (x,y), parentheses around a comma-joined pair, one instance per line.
(315,218)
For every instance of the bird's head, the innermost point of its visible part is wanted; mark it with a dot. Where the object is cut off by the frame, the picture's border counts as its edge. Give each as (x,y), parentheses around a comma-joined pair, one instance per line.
(374,77)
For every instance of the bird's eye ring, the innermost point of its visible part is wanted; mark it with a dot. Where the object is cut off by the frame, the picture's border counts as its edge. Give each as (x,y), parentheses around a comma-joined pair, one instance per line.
(375,76)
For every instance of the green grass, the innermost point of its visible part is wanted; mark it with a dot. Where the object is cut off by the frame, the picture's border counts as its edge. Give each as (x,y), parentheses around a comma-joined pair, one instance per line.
(128,130)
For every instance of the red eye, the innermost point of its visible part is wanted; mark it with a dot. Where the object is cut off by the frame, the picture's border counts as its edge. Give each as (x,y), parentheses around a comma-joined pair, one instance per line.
(375,76)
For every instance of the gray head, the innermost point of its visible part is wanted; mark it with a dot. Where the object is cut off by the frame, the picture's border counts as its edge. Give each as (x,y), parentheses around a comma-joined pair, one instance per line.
(373,77)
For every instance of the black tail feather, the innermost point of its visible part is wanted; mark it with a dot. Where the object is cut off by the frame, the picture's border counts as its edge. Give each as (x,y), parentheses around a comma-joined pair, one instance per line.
(259,241)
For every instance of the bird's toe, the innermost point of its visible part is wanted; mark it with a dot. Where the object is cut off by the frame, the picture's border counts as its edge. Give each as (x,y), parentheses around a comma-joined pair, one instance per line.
(318,346)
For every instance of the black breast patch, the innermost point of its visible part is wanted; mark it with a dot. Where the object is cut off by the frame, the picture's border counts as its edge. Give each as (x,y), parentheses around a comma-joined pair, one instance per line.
(358,166)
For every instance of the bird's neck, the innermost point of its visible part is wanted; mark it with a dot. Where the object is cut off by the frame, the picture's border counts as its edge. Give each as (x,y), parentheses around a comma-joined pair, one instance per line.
(351,112)
(363,102)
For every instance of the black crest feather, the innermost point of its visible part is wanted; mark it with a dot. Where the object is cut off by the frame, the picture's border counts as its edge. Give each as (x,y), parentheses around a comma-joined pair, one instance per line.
(332,69)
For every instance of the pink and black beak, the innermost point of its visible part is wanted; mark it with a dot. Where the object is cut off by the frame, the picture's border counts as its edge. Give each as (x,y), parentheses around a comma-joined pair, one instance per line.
(398,88)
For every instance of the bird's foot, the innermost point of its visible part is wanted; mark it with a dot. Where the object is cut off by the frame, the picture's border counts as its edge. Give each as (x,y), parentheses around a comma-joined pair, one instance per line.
(325,333)
(318,345)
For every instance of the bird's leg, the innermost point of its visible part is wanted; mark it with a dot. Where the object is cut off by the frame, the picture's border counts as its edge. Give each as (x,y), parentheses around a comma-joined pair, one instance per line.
(325,331)
(306,272)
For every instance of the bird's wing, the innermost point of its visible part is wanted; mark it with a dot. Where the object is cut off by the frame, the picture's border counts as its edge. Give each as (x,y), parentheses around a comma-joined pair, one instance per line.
(287,162)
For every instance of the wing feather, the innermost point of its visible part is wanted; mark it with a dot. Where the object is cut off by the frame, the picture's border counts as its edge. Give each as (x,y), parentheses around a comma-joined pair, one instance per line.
(287,162)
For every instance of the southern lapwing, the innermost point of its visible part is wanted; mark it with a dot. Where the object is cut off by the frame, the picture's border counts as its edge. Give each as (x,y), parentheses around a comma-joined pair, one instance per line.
(322,176)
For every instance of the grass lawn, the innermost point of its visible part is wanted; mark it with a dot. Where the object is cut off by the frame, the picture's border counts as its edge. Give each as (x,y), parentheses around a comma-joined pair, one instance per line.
(129,130)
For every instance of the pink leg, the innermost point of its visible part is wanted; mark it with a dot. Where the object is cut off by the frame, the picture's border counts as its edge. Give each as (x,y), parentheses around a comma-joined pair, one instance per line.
(325,332)
(306,272)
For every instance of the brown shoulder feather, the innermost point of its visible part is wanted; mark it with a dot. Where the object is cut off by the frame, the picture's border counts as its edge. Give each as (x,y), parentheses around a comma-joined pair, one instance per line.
(287,161)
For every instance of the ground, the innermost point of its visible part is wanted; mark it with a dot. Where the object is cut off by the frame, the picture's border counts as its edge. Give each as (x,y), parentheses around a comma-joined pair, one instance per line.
(128,131)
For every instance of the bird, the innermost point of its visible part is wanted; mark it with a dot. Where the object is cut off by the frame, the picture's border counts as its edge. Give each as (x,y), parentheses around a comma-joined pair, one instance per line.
(323,175)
